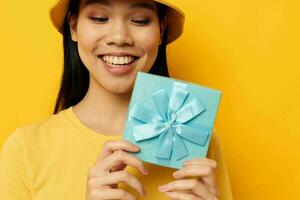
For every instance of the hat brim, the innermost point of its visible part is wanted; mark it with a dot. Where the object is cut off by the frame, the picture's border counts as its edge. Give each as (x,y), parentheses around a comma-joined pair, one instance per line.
(175,18)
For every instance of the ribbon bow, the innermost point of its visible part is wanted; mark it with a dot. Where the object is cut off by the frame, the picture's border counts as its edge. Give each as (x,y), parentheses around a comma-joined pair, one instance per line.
(168,122)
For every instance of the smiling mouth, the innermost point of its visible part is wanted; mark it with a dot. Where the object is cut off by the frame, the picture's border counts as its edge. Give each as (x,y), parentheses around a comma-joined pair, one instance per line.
(118,61)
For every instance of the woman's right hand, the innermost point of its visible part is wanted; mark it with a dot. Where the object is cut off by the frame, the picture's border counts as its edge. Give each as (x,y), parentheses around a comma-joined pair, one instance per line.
(108,171)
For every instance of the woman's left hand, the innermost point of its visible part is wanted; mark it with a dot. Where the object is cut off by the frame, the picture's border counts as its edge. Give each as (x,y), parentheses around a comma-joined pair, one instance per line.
(196,180)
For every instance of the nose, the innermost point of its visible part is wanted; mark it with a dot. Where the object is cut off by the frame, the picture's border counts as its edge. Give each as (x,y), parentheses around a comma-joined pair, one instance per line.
(119,34)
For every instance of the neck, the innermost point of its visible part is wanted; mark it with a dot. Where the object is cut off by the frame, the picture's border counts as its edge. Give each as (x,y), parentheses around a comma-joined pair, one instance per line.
(103,111)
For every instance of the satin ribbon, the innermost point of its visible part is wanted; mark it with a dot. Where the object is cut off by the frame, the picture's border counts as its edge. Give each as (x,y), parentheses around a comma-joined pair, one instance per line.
(167,122)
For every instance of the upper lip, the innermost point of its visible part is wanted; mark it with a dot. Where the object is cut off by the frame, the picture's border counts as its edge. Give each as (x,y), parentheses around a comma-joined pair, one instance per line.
(118,54)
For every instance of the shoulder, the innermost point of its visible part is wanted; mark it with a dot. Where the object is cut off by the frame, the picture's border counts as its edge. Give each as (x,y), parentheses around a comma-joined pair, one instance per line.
(36,132)
(215,149)
(216,153)
(47,123)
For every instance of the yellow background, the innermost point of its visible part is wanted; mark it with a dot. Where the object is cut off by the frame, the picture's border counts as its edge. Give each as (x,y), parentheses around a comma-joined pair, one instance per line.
(247,49)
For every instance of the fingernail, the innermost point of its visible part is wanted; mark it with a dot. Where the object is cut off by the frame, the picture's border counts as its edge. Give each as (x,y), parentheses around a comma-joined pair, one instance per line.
(176,174)
(146,172)
(163,188)
(169,194)
(144,193)
(136,147)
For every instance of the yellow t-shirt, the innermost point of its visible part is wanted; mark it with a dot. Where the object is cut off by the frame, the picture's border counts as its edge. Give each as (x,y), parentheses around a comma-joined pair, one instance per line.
(49,160)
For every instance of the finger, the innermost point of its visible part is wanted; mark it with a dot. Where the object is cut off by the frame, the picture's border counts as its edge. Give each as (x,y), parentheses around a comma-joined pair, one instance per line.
(193,171)
(204,172)
(119,157)
(120,167)
(111,194)
(199,161)
(115,178)
(113,145)
(192,185)
(182,196)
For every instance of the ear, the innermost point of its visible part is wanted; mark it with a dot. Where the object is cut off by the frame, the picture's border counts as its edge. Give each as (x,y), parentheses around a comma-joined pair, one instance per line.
(163,25)
(72,19)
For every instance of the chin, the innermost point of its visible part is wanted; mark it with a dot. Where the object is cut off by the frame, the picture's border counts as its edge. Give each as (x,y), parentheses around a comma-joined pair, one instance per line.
(122,91)
(119,89)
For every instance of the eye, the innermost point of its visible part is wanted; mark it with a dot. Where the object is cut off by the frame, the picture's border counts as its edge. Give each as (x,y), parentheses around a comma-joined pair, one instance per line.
(99,19)
(141,22)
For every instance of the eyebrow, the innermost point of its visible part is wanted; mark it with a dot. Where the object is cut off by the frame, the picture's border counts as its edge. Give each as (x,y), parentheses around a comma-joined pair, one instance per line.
(103,2)
(142,5)
(132,6)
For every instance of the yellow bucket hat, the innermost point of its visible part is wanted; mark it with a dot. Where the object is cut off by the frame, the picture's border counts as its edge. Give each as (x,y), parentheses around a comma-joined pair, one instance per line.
(175,17)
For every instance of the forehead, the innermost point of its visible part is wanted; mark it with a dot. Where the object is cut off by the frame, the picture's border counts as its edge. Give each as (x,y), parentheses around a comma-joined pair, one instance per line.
(146,4)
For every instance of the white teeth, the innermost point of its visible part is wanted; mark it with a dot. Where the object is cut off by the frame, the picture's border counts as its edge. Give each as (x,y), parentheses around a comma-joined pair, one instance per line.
(118,60)
(122,60)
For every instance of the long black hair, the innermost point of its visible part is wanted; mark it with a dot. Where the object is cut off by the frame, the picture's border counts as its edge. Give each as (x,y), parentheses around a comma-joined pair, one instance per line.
(75,77)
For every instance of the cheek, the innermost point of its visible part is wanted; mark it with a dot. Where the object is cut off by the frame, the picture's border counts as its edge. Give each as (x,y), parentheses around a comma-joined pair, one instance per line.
(86,36)
(148,40)
(86,41)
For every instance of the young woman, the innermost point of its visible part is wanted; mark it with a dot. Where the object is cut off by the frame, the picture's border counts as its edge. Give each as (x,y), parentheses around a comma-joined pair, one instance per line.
(78,153)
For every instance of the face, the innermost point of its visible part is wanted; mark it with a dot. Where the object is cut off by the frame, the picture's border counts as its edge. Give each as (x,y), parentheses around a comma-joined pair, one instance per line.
(116,39)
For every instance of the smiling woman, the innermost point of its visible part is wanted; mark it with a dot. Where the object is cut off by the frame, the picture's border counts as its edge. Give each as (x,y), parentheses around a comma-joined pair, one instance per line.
(142,18)
(118,34)
(78,152)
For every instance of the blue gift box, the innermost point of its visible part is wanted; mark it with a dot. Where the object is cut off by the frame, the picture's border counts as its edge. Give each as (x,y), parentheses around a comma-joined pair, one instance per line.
(170,120)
